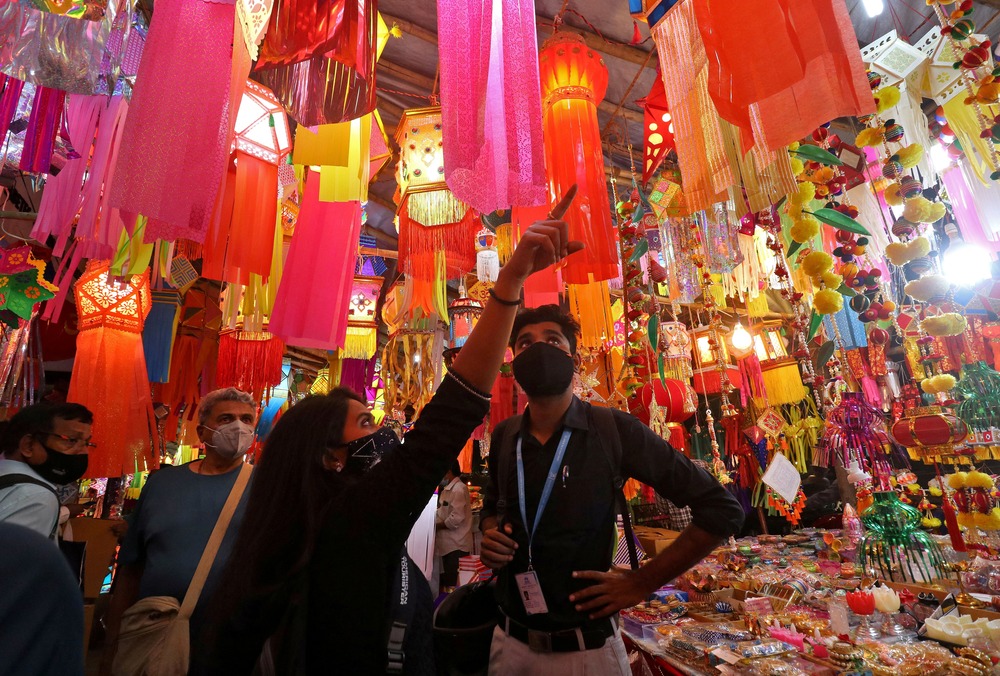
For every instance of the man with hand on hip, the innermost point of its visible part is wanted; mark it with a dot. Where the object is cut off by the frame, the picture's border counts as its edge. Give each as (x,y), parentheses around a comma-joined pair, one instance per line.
(549,513)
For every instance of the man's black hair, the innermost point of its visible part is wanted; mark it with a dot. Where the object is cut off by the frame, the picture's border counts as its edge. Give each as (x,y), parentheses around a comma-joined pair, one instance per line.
(38,419)
(456,469)
(547,313)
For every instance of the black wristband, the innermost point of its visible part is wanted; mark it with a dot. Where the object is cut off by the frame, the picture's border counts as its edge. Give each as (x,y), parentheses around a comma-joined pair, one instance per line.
(508,303)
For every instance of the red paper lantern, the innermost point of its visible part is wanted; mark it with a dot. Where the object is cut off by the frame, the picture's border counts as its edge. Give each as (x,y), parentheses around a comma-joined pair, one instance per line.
(574,80)
(930,431)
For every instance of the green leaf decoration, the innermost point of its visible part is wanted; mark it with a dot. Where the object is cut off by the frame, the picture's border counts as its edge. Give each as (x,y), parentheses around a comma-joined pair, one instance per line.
(839,220)
(845,290)
(640,250)
(817,154)
(823,354)
(661,367)
(792,248)
(814,323)
(652,330)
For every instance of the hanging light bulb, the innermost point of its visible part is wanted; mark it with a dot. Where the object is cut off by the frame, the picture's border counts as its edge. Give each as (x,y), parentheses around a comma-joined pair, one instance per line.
(741,341)
(965,264)
(873,7)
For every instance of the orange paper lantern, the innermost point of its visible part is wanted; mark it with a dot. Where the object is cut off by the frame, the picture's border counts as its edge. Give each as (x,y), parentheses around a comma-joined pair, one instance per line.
(574,80)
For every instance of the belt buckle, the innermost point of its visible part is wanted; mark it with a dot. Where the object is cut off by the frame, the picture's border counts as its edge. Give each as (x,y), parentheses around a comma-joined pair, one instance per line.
(539,641)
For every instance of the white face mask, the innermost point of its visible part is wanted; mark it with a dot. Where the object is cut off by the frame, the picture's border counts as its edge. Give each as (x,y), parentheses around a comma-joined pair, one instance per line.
(232,440)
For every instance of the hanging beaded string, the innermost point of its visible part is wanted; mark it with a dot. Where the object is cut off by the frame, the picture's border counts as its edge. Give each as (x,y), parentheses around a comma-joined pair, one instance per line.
(967,76)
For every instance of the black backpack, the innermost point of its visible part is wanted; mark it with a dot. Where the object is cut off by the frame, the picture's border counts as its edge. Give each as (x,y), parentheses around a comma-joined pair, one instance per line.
(74,552)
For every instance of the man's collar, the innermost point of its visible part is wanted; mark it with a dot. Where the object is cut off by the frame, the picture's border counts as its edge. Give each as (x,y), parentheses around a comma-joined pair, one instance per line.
(575,417)
(452,482)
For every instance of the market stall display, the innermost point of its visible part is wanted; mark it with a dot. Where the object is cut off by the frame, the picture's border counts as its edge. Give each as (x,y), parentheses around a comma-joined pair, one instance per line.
(791,219)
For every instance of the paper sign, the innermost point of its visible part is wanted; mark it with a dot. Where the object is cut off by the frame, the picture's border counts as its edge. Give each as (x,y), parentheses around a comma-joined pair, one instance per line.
(783,478)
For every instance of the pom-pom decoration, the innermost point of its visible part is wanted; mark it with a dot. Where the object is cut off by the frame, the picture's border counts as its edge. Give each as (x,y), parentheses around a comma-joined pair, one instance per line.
(827,301)
(886,98)
(892,195)
(816,263)
(911,155)
(926,288)
(947,324)
(901,253)
(804,229)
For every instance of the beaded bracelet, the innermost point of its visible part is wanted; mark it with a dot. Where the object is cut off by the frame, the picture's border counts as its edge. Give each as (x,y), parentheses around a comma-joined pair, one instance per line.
(469,388)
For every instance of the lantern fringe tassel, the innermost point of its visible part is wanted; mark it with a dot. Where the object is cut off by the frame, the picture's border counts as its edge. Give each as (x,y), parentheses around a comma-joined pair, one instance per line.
(360,343)
(250,361)
(437,207)
(783,383)
(418,246)
(487,265)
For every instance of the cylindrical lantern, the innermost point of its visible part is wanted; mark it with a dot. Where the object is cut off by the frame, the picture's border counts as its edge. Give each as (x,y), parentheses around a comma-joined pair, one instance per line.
(930,431)
(574,80)
(464,314)
(437,231)
(362,322)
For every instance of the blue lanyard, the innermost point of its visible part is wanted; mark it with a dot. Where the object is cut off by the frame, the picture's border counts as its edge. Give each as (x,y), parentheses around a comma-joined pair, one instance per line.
(550,481)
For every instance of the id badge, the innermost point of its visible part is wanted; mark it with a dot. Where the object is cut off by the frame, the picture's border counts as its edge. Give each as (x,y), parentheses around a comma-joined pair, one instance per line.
(531,593)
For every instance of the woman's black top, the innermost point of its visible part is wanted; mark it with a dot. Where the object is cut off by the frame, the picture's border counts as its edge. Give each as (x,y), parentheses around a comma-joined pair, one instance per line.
(350,576)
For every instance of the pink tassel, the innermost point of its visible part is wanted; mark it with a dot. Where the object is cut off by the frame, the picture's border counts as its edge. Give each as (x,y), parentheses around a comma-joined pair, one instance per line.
(40,137)
(871,391)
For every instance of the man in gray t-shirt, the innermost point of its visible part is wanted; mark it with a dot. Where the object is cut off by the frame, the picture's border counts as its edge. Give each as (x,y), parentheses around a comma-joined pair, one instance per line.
(176,513)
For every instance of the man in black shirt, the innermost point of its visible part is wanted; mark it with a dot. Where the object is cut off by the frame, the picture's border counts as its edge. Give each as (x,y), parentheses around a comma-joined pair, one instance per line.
(558,602)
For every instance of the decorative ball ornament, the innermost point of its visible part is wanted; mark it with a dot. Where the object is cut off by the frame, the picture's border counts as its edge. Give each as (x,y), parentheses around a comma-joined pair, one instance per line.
(892,169)
(874,79)
(909,187)
(878,336)
(893,132)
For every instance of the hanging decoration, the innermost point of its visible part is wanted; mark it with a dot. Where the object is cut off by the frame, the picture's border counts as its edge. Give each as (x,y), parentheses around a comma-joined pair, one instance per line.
(324,88)
(171,161)
(437,231)
(109,372)
(574,80)
(250,361)
(362,325)
(487,258)
(311,307)
(491,102)
(812,55)
(893,547)
(240,240)
(61,51)
(658,129)
(22,285)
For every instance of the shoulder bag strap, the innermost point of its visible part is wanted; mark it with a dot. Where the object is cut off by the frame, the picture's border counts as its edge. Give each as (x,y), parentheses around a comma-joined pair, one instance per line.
(212,548)
(11,480)
(506,452)
(402,615)
(611,443)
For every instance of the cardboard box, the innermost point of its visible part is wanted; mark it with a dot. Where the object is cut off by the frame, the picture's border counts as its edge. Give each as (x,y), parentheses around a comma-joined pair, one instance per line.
(655,540)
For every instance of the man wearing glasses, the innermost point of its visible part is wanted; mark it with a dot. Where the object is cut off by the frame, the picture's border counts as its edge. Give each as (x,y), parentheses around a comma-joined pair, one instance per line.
(44,446)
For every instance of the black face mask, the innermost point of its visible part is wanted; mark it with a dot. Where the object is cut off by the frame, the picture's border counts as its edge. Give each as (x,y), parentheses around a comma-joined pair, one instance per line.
(61,468)
(366,452)
(543,370)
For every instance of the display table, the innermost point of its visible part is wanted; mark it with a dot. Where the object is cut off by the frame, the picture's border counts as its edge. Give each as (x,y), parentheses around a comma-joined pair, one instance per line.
(647,658)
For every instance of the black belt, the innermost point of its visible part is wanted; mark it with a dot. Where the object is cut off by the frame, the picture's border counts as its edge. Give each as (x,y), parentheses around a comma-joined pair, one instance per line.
(563,641)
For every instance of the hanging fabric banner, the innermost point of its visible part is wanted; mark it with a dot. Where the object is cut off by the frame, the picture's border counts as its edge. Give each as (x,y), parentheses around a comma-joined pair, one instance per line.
(491,102)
